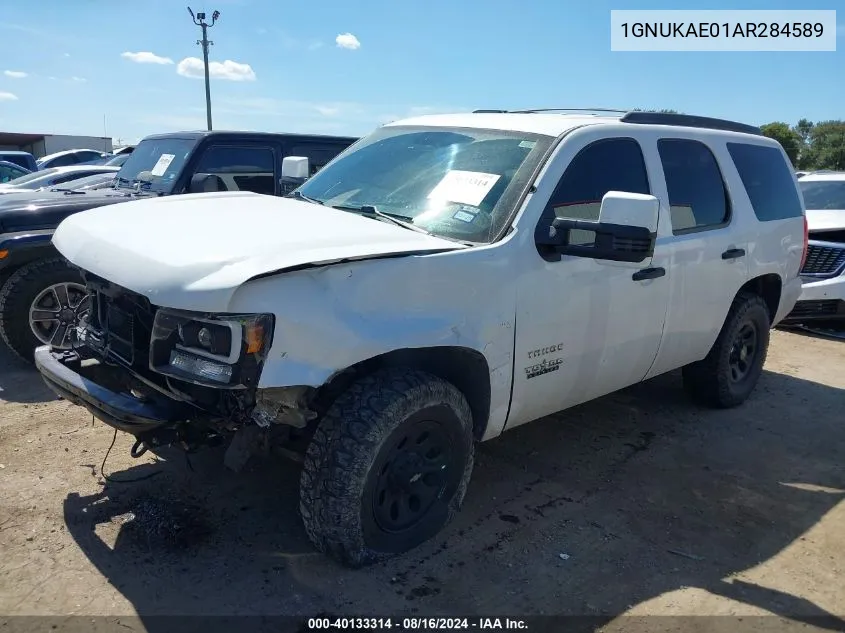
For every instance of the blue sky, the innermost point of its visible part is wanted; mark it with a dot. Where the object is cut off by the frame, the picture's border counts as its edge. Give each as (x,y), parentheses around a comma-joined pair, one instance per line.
(288,71)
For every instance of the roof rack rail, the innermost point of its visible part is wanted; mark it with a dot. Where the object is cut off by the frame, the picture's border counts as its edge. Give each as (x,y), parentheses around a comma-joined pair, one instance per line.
(535,110)
(489,111)
(689,120)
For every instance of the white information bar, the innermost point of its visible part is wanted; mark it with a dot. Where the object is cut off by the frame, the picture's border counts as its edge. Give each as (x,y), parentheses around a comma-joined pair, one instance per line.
(708,30)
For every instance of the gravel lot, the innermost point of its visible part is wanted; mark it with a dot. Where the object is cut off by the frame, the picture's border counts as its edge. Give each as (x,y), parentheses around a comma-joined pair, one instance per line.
(639,503)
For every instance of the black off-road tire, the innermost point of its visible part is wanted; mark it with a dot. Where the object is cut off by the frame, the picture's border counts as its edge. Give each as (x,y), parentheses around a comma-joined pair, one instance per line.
(355,444)
(708,381)
(17,295)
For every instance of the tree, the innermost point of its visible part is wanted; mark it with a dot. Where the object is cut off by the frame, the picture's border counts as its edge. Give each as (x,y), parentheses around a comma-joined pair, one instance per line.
(826,146)
(803,128)
(789,139)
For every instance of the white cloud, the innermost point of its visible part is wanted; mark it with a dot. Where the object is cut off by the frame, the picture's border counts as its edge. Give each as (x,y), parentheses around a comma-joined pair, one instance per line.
(66,55)
(232,71)
(14,74)
(8,96)
(78,79)
(348,41)
(327,110)
(145,57)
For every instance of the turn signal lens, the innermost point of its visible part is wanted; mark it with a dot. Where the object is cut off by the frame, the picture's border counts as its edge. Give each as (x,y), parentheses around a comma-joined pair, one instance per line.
(254,338)
(4,254)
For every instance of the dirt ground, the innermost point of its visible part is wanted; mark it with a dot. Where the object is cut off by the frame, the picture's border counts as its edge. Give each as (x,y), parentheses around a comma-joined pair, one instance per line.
(636,504)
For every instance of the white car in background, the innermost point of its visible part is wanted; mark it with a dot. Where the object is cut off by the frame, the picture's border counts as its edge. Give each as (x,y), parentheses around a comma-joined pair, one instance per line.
(54,176)
(823,273)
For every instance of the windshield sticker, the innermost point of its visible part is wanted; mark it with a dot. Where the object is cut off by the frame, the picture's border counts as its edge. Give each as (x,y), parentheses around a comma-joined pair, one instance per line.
(465,187)
(527,144)
(162,164)
(463,216)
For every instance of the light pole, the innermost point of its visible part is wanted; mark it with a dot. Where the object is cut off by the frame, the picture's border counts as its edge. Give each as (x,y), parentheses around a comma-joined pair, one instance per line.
(199,20)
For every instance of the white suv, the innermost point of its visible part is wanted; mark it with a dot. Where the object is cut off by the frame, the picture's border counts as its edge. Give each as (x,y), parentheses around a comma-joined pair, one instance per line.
(443,280)
(823,296)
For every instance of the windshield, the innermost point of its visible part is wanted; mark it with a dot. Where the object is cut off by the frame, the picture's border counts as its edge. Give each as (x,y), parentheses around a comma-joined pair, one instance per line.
(34,179)
(155,164)
(822,194)
(455,183)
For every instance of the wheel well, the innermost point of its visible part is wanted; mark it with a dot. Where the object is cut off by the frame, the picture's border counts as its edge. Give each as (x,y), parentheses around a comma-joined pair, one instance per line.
(465,368)
(26,256)
(769,288)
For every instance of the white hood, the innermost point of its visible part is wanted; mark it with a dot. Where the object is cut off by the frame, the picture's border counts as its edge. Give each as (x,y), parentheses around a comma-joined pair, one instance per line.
(193,251)
(825,220)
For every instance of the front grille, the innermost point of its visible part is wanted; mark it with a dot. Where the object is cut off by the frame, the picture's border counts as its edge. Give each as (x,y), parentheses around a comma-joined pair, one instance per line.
(824,260)
(121,323)
(818,309)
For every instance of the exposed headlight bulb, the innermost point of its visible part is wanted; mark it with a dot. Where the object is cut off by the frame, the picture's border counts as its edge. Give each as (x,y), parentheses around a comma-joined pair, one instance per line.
(204,337)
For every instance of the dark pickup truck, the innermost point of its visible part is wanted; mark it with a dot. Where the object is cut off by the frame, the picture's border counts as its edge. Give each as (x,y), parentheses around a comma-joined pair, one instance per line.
(42,297)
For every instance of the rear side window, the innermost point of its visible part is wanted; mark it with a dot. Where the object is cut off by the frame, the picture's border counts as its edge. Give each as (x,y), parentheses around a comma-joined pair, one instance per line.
(698,199)
(768,181)
(318,155)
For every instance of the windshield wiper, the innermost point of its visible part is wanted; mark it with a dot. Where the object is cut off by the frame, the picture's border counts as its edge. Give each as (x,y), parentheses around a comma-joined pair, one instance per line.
(301,196)
(406,222)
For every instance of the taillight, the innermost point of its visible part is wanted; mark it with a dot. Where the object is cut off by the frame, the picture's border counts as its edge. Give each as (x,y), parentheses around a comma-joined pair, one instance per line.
(806,243)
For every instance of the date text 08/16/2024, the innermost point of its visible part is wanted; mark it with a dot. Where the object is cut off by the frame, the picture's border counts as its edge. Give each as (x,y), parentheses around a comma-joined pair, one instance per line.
(416,624)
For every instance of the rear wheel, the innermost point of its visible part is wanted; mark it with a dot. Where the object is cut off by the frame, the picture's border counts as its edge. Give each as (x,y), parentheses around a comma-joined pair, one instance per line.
(387,467)
(729,373)
(41,304)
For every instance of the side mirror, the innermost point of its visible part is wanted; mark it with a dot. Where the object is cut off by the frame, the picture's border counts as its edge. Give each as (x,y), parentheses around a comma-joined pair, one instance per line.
(203,183)
(295,168)
(625,231)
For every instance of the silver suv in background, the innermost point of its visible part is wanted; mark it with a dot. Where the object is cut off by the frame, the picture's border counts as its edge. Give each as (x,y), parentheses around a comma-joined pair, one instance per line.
(823,273)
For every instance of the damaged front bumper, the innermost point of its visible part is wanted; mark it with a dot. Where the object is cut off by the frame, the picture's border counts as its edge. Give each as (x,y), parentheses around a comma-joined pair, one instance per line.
(68,375)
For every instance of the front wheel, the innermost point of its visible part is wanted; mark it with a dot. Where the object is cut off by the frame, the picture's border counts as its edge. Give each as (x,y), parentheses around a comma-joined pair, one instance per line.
(388,466)
(41,303)
(729,373)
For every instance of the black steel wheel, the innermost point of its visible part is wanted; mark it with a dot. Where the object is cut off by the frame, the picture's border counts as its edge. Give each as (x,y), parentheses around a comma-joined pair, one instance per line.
(388,466)
(728,374)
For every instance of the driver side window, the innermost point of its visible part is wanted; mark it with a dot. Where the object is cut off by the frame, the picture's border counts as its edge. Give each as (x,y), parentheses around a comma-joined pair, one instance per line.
(615,164)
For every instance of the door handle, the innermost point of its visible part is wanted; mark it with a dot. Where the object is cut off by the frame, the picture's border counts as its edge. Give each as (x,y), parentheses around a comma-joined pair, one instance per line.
(733,253)
(648,273)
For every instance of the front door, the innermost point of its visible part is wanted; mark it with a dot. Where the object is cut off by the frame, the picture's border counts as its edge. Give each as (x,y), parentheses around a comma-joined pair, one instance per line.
(585,327)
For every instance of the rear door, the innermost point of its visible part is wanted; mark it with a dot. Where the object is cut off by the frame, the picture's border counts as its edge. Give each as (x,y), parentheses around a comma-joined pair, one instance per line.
(707,254)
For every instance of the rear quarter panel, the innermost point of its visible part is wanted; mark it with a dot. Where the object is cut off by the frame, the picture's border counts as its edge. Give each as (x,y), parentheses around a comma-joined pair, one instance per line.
(775,246)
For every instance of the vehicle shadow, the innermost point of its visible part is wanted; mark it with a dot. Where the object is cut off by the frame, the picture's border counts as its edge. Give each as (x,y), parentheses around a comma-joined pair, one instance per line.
(586,513)
(20,381)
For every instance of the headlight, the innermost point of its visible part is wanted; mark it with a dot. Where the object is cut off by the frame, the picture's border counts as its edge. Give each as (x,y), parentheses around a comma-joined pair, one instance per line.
(221,350)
